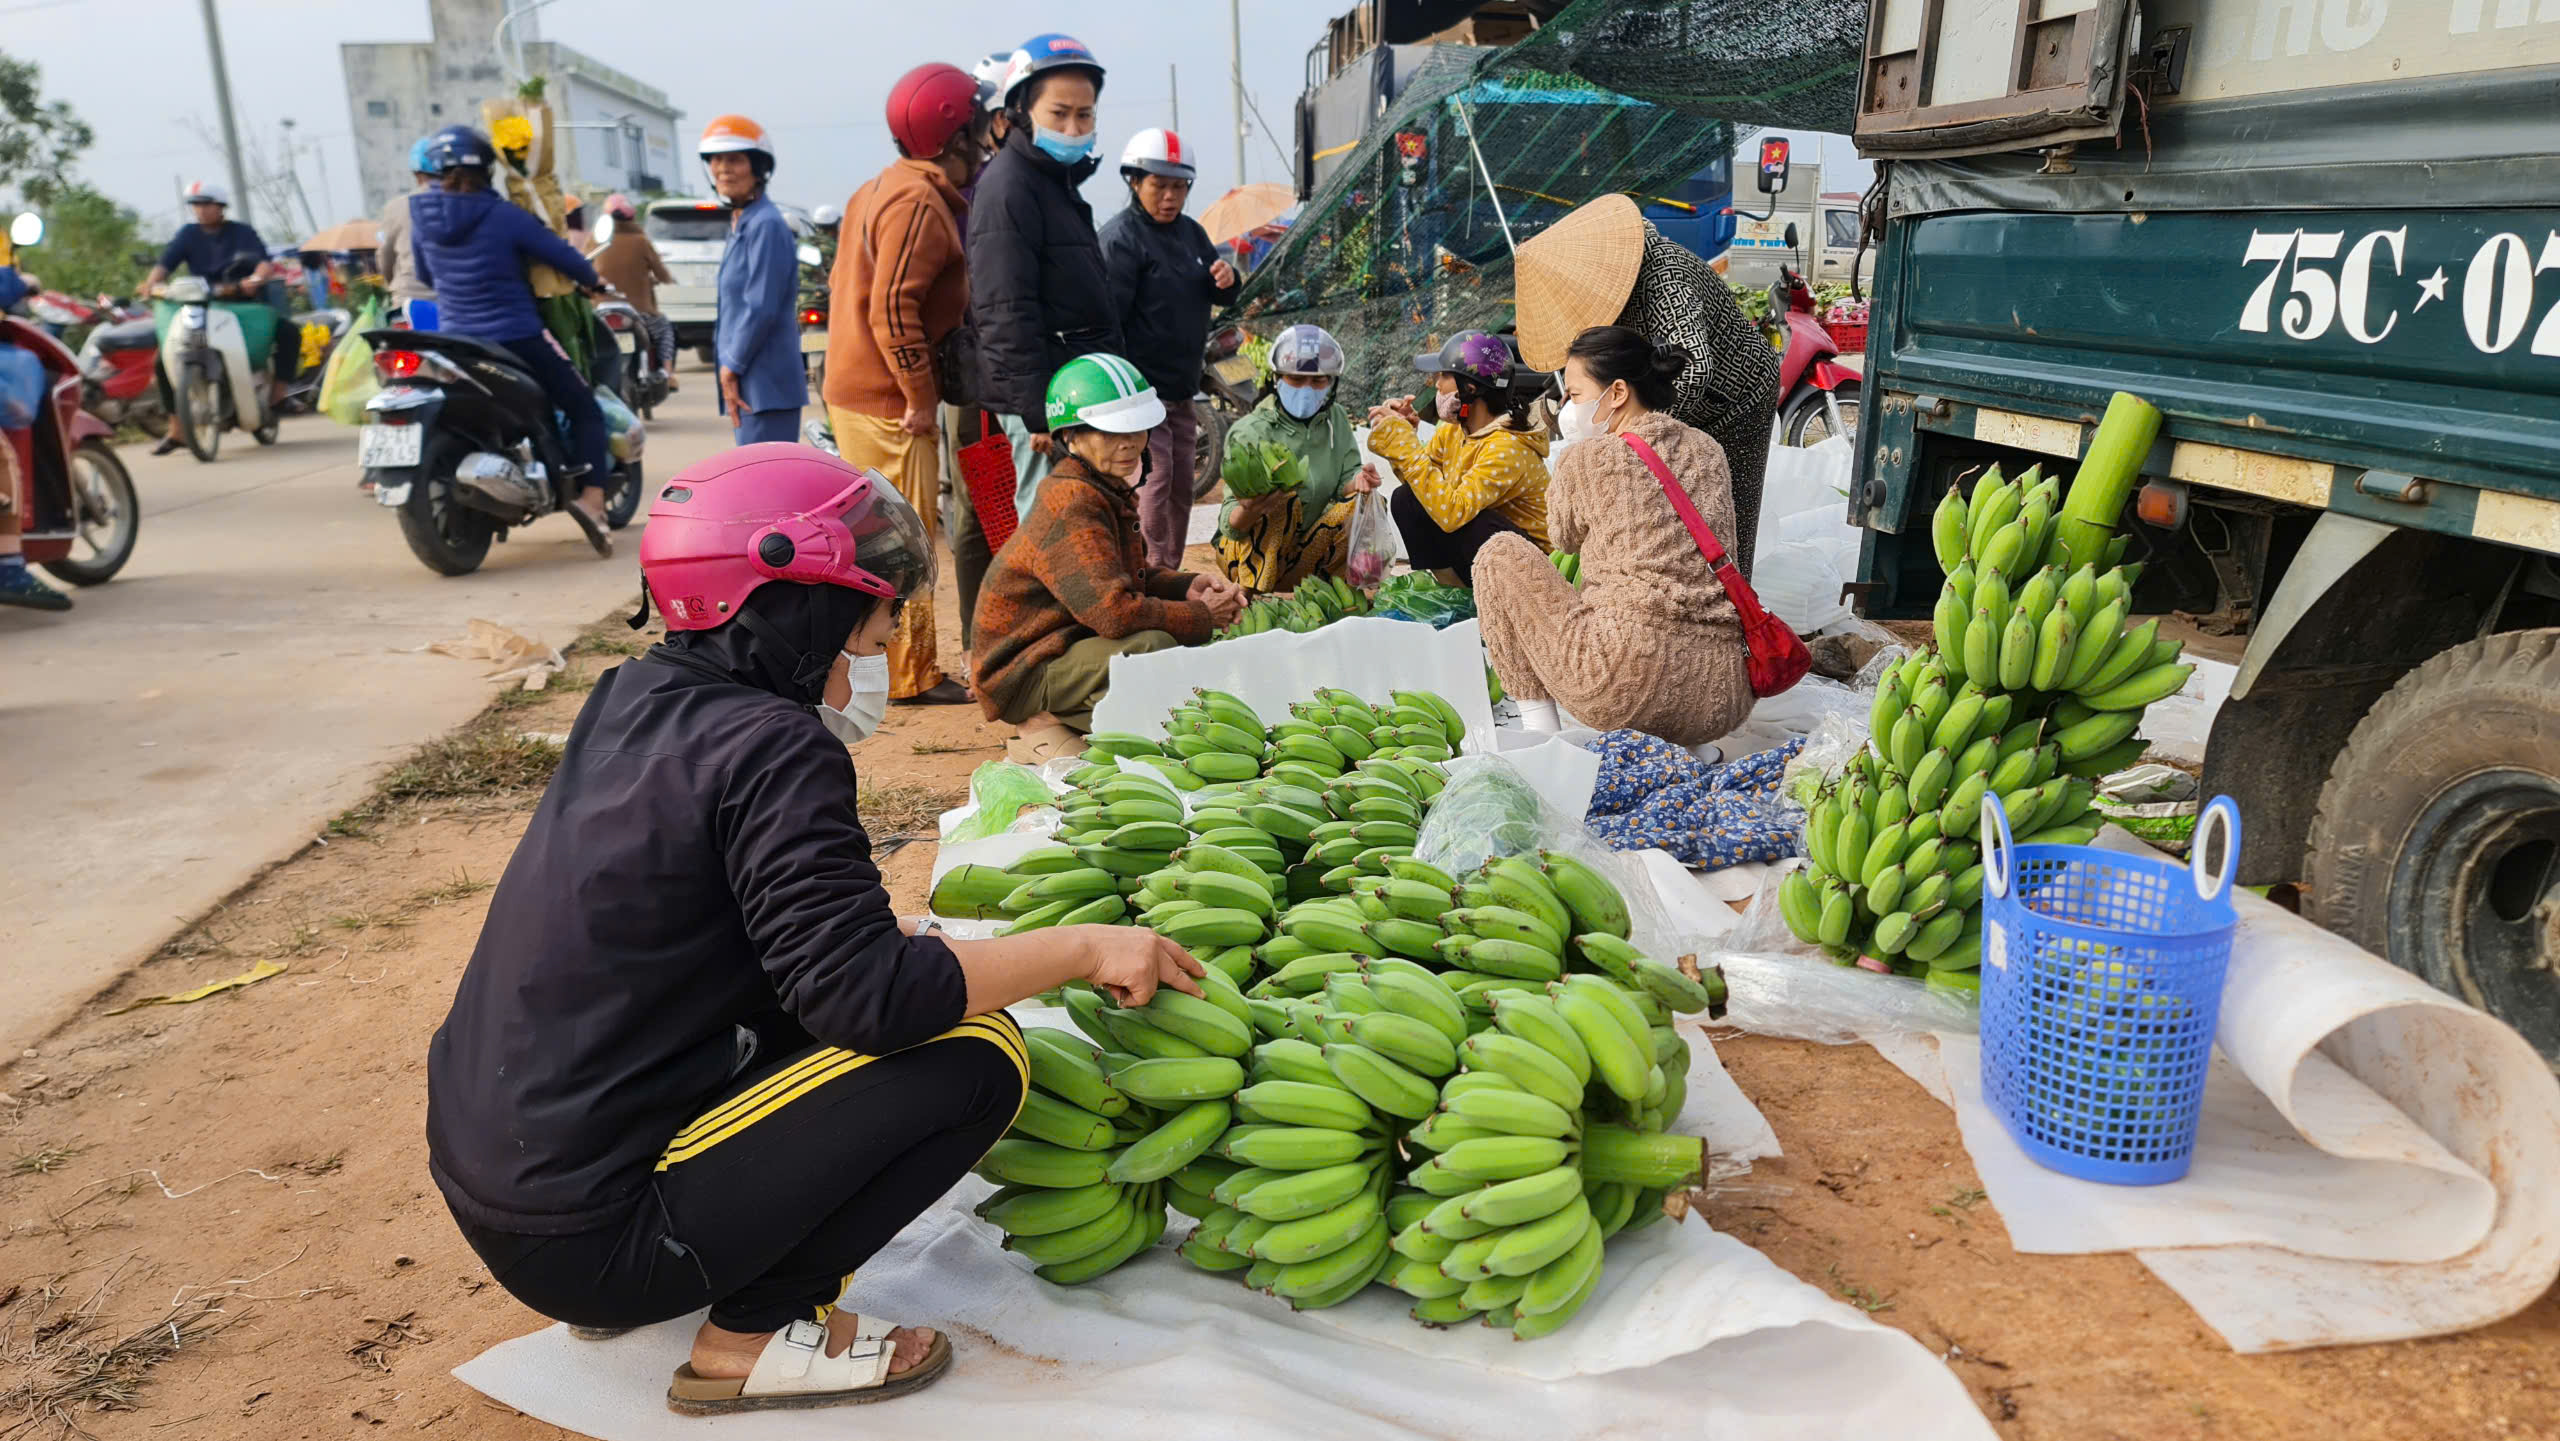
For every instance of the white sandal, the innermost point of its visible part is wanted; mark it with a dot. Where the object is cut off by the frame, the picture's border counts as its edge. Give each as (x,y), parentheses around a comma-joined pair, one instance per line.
(794,1371)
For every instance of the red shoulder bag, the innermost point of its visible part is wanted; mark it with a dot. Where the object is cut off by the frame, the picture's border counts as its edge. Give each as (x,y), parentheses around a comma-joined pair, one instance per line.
(1777,658)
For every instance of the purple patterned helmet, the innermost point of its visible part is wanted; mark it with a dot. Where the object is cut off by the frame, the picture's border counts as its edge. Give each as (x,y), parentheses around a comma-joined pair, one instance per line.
(1474,354)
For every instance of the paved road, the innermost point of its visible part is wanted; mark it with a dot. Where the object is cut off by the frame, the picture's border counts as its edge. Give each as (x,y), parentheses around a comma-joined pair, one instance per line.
(245,678)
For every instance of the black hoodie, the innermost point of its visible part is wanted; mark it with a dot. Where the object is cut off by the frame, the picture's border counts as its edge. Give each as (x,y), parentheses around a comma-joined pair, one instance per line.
(1038,296)
(1160,284)
(695,890)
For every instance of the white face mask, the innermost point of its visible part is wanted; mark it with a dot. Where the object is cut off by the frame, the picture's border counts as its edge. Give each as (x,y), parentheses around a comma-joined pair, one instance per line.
(867,706)
(1573,421)
(1446,405)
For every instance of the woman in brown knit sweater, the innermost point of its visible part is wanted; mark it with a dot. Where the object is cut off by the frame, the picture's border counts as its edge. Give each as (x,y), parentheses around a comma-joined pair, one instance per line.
(1650,641)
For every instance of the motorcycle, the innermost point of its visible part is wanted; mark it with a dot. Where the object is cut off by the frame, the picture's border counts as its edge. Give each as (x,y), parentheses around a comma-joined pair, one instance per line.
(217,366)
(81,513)
(115,373)
(644,380)
(1230,385)
(813,339)
(302,395)
(1817,396)
(460,432)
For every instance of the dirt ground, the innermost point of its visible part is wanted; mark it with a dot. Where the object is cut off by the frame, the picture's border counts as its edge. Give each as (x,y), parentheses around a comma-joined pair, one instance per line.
(215,1217)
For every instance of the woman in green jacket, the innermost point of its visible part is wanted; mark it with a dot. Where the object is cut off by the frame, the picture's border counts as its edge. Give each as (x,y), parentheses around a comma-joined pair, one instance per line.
(1271,542)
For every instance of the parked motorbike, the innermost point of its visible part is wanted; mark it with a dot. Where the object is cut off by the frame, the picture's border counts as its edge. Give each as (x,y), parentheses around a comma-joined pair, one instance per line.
(218,378)
(116,383)
(82,515)
(1230,385)
(460,434)
(1817,396)
(302,395)
(643,379)
(813,339)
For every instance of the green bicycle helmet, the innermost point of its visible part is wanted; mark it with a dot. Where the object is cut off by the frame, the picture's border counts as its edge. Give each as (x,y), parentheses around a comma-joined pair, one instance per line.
(1104,392)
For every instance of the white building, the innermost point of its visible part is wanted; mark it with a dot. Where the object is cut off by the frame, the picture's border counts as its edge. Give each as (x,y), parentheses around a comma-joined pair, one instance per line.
(616,133)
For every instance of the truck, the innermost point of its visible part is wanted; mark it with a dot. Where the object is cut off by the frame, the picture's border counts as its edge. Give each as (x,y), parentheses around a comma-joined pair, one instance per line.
(691,236)
(2323,237)
(1826,225)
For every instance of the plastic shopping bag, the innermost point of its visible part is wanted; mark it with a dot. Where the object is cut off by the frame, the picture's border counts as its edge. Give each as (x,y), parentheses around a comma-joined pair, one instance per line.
(350,380)
(1373,541)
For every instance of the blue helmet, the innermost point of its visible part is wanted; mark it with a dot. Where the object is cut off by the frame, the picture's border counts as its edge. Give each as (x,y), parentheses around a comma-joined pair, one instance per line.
(1042,53)
(419,161)
(458,147)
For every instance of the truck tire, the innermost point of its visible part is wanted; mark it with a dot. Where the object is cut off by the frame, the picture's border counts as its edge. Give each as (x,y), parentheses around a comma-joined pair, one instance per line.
(2437,842)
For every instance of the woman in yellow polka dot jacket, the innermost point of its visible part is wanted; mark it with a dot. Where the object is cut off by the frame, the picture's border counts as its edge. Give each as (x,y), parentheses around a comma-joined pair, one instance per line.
(1484,472)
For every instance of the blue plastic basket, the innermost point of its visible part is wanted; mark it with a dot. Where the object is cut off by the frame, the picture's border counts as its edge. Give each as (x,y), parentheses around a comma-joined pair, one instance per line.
(2101,985)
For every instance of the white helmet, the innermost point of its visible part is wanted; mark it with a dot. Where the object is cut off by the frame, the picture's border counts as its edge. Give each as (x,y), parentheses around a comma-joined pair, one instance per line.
(1306,350)
(825,217)
(207,192)
(1157,152)
(991,74)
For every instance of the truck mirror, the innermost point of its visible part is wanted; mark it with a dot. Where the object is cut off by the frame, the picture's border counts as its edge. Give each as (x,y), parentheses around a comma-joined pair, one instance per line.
(1773,166)
(1793,239)
(27,229)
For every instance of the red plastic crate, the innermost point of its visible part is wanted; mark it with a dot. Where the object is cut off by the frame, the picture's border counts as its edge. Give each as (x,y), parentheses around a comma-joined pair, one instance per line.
(1852,339)
(986,467)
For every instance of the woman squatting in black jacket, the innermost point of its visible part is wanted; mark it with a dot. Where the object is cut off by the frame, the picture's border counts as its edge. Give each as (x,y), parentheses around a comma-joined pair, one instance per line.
(696,1060)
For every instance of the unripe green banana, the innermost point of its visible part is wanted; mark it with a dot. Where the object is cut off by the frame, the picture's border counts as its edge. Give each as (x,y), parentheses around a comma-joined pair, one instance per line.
(2140,688)
(1995,503)
(1418,1046)
(1849,845)
(1066,1067)
(1935,935)
(1533,1018)
(1015,1161)
(1466,1260)
(1614,1153)
(1527,1249)
(1295,1195)
(1801,906)
(1947,529)
(1947,622)
(1930,779)
(1042,1211)
(1527,1064)
(1931,700)
(1518,960)
(1324,1233)
(1439,1131)
(2017,650)
(1180,1140)
(1838,912)
(1512,1112)
(1295,1148)
(1386,1085)
(1044,1117)
(1891,696)
(1424,998)
(2102,731)
(1595,902)
(1614,957)
(1495,1296)
(1166,1083)
(1504,1158)
(1893,806)
(1055,1248)
(1883,852)
(1401,937)
(2131,652)
(1510,1203)
(1505,923)
(2107,762)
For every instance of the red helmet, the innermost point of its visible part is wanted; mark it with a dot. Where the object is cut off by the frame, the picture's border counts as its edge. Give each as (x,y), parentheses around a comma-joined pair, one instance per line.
(928,106)
(776,511)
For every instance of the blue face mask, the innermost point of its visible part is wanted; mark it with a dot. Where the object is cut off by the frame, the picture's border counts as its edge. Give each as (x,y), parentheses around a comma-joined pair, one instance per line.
(1063,148)
(1302,401)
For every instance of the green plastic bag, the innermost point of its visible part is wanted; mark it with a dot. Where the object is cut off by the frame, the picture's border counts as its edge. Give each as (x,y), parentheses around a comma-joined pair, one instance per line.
(1002,791)
(350,381)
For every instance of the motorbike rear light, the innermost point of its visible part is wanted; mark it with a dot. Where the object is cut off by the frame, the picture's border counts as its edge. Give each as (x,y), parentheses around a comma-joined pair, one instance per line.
(396,364)
(812,315)
(616,320)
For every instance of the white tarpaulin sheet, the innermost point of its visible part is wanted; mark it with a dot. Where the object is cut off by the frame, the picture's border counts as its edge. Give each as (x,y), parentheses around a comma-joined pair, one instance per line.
(1361,654)
(1691,1332)
(2375,1159)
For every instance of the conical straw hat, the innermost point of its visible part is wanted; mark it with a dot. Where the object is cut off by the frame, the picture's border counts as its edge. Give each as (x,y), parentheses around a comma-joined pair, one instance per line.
(1575,274)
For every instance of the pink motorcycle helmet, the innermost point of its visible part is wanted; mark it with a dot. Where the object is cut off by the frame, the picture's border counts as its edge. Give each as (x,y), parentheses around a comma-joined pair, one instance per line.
(776,511)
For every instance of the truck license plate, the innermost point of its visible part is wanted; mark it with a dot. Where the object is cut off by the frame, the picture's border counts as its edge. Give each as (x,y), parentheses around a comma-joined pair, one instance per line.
(386,447)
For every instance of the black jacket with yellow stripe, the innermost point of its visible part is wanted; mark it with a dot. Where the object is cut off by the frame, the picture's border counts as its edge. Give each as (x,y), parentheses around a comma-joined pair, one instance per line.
(695,891)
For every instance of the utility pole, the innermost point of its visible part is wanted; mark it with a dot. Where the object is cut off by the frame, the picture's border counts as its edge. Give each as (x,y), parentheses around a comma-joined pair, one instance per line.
(1235,73)
(1173,86)
(231,128)
(293,179)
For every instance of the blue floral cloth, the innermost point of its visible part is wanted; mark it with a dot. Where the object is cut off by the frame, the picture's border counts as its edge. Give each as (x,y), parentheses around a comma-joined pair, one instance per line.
(1652,793)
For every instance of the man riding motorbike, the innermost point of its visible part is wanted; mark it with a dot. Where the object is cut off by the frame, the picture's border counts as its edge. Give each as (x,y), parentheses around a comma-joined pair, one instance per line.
(630,263)
(472,248)
(229,257)
(410,297)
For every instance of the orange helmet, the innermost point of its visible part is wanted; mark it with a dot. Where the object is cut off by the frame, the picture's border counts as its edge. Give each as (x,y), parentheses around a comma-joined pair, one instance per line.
(730,134)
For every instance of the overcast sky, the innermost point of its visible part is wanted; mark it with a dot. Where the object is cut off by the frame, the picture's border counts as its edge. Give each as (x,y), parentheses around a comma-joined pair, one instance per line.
(817,75)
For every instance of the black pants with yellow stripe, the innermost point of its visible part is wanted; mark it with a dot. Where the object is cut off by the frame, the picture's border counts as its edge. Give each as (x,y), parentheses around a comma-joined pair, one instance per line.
(765,1205)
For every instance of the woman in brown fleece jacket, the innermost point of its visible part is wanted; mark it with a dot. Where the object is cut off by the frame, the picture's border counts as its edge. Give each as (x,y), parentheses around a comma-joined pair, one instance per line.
(1650,642)
(1072,588)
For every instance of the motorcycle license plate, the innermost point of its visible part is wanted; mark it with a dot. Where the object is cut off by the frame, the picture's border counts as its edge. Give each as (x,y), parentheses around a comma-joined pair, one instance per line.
(1235,369)
(623,341)
(383,447)
(813,342)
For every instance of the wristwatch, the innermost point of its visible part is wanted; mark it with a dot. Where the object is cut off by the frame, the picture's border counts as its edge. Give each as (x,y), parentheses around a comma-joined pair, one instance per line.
(929,926)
